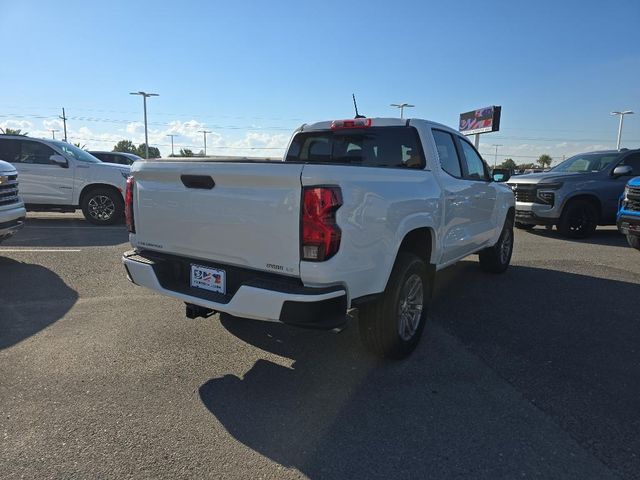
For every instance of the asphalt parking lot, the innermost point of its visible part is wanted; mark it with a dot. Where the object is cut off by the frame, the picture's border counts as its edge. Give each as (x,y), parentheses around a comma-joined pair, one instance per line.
(532,374)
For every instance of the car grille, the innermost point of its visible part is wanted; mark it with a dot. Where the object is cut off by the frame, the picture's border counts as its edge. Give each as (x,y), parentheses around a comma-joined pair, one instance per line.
(9,190)
(633,199)
(524,192)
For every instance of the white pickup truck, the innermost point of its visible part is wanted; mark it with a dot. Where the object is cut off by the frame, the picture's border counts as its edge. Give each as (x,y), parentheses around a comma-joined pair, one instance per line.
(359,214)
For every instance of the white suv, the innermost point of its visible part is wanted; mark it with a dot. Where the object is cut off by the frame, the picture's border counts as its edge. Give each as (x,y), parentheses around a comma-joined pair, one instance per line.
(58,176)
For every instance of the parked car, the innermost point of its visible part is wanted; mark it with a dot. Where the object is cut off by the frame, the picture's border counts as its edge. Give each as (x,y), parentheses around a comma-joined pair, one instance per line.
(578,194)
(629,213)
(120,158)
(12,211)
(58,176)
(360,213)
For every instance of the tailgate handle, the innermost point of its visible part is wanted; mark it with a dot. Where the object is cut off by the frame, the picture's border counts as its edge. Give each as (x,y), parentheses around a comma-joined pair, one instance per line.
(204,182)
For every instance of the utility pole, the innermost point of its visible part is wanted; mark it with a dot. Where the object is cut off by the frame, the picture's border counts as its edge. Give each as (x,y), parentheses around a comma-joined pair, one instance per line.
(402,106)
(495,160)
(205,139)
(621,114)
(64,122)
(53,133)
(145,95)
(172,135)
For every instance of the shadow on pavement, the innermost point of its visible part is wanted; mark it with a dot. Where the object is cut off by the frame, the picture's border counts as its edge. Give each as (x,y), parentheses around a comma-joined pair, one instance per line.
(68,231)
(609,236)
(571,349)
(32,297)
(569,343)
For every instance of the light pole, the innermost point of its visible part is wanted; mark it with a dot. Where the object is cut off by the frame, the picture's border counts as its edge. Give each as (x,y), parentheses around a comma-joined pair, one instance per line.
(402,106)
(204,132)
(53,133)
(621,114)
(495,160)
(172,135)
(144,101)
(64,121)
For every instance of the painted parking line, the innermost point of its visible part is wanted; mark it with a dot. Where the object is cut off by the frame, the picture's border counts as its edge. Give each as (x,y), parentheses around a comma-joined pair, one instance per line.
(37,250)
(72,227)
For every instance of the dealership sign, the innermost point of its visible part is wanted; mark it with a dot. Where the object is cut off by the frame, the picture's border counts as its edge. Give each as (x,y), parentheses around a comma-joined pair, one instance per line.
(482,120)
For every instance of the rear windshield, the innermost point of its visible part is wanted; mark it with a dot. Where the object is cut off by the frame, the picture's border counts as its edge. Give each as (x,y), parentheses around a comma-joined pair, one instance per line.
(396,147)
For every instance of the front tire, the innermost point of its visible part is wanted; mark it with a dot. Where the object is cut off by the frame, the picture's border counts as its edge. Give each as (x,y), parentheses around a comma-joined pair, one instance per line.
(391,325)
(496,259)
(579,219)
(634,241)
(103,206)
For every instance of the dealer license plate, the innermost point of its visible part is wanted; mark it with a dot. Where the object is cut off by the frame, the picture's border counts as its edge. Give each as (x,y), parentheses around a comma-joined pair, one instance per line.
(208,278)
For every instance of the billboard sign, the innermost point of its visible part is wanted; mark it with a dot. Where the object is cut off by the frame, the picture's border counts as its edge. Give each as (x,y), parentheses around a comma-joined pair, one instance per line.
(482,120)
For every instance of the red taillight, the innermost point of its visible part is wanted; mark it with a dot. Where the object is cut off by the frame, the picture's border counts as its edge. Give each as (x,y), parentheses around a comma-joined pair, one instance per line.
(320,233)
(128,205)
(355,123)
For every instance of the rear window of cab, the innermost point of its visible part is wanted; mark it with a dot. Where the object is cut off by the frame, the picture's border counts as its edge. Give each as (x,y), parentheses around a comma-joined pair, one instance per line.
(390,147)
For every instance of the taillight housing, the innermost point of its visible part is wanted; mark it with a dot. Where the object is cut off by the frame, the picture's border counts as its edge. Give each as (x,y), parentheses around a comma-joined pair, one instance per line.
(320,235)
(128,205)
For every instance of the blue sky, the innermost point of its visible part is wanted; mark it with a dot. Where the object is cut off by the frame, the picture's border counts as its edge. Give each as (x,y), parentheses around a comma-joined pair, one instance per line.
(253,71)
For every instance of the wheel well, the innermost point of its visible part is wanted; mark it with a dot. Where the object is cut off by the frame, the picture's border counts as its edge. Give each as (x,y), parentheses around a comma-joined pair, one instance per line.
(595,201)
(418,242)
(93,186)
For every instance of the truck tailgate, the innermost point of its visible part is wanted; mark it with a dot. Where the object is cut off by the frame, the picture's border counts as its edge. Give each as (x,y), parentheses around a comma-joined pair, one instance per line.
(249,218)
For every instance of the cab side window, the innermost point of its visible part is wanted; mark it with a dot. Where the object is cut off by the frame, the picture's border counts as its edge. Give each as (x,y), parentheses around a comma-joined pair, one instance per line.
(9,150)
(475,167)
(35,153)
(633,161)
(447,153)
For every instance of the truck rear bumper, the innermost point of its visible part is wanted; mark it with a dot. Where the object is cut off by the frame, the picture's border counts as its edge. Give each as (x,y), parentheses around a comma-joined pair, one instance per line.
(255,297)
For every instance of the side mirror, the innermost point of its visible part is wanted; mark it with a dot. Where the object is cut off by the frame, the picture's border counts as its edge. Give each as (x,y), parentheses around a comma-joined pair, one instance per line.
(500,174)
(59,160)
(622,171)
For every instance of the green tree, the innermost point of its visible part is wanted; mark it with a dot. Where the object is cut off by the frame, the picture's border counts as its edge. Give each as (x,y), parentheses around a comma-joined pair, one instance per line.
(13,131)
(125,146)
(154,152)
(545,160)
(509,164)
(83,147)
(186,152)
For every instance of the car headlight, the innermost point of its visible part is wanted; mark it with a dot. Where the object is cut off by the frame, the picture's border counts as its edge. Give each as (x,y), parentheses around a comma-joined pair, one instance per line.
(545,192)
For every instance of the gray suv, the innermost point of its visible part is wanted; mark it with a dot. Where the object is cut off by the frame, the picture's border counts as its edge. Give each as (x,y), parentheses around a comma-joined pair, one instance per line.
(577,195)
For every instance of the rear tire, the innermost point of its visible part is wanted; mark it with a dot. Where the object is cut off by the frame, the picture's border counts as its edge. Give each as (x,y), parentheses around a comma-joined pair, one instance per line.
(496,259)
(579,219)
(391,325)
(524,226)
(634,241)
(103,206)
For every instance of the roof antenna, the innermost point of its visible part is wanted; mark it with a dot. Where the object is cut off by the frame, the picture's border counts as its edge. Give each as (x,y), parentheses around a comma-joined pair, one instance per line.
(355,105)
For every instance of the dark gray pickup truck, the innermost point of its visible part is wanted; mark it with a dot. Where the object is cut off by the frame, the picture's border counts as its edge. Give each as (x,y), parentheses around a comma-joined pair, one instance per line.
(577,195)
